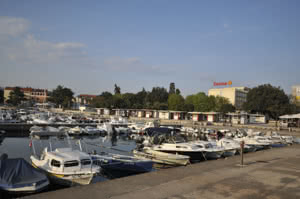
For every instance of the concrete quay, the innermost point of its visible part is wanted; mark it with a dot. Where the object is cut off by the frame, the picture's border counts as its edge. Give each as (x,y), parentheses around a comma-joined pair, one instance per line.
(271,174)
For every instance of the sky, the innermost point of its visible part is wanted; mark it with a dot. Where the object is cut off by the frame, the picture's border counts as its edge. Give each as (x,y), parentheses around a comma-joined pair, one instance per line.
(90,45)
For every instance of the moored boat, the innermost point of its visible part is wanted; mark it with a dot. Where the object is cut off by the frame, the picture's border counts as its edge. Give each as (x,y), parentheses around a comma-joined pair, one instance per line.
(161,157)
(116,165)
(64,166)
(189,149)
(18,176)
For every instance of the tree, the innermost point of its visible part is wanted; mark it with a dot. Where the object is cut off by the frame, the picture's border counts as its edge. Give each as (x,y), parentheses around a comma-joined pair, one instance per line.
(172,88)
(117,89)
(106,95)
(141,99)
(200,102)
(99,102)
(226,108)
(177,91)
(159,106)
(118,102)
(62,96)
(129,99)
(188,107)
(189,103)
(220,102)
(16,97)
(158,94)
(176,102)
(268,100)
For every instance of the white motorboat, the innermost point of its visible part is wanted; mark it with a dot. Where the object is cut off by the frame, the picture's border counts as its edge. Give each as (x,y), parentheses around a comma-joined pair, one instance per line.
(41,118)
(136,127)
(288,139)
(231,146)
(91,130)
(194,151)
(65,129)
(211,150)
(162,157)
(115,125)
(64,166)
(75,130)
(252,142)
(42,129)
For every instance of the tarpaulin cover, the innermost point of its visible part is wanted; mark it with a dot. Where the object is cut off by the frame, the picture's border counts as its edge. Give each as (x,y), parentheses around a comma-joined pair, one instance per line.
(160,130)
(18,173)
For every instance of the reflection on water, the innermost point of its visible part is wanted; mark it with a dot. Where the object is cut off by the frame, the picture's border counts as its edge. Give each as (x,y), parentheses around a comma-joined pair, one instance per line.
(20,146)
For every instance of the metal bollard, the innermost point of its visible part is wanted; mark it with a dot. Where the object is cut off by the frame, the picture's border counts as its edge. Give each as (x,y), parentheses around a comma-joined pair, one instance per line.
(242,143)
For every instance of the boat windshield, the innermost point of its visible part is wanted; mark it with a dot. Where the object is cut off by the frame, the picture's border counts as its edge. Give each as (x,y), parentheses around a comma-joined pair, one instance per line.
(71,163)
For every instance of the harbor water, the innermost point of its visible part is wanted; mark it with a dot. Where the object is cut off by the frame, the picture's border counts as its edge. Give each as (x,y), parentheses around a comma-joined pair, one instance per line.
(23,147)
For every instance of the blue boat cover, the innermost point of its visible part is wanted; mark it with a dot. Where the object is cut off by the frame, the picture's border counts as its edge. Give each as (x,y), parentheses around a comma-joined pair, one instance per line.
(18,172)
(160,130)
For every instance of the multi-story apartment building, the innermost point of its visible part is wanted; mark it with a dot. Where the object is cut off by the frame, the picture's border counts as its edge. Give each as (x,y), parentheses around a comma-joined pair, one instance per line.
(38,95)
(296,93)
(236,95)
(84,98)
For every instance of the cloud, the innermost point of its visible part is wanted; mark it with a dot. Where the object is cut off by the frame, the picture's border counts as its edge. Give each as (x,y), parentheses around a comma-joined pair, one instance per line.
(13,26)
(20,47)
(136,65)
(226,25)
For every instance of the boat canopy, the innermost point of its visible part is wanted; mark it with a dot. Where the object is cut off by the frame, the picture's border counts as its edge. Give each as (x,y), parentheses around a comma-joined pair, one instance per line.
(67,154)
(15,173)
(160,130)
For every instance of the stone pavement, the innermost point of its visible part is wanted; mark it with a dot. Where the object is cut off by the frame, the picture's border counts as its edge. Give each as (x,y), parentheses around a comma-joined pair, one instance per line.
(270,174)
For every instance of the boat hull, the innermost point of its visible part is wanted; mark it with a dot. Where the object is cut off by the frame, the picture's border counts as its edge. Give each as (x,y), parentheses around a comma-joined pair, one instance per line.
(122,169)
(213,155)
(194,156)
(67,180)
(229,153)
(27,188)
(70,180)
(163,158)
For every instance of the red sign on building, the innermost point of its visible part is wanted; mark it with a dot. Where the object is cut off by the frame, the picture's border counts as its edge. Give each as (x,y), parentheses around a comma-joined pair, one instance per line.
(229,83)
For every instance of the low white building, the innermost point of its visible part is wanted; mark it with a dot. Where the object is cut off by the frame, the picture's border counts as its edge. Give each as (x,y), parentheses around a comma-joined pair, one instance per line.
(246,118)
(257,119)
(85,108)
(205,116)
(165,115)
(103,111)
(177,115)
(238,118)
